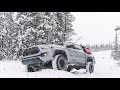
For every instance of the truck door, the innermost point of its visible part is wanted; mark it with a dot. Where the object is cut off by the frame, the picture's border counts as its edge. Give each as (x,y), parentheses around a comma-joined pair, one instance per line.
(71,52)
(80,55)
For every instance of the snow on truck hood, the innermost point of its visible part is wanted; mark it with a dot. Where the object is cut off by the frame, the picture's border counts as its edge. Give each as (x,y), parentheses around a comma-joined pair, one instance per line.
(51,46)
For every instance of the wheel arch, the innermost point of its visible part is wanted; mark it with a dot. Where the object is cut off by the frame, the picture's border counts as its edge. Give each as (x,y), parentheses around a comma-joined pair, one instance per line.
(90,59)
(57,52)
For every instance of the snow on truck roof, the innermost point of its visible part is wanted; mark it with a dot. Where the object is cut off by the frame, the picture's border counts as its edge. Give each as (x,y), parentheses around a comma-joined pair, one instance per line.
(58,44)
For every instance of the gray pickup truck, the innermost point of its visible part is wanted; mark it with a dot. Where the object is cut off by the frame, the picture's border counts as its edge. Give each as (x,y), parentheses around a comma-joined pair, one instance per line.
(58,57)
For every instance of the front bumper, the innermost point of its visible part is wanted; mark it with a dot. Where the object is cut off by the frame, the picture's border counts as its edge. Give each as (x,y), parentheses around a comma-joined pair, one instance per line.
(28,61)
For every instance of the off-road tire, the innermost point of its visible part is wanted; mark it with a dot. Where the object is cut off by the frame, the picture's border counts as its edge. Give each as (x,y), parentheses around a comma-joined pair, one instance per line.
(30,69)
(70,68)
(59,63)
(90,67)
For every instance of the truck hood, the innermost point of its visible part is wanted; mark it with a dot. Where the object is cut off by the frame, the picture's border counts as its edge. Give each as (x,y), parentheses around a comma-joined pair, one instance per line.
(51,46)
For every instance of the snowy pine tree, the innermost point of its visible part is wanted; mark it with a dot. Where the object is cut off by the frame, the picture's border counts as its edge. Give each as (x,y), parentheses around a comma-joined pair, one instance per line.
(45,27)
(25,29)
(8,33)
(115,50)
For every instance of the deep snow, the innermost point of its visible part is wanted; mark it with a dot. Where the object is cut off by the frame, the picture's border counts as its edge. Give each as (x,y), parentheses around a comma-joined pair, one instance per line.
(105,67)
(14,69)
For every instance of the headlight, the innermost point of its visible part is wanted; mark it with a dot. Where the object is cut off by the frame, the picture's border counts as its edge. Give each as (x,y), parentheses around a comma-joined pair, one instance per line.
(43,54)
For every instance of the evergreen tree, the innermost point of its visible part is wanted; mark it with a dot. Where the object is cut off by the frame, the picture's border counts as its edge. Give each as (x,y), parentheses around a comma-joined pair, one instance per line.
(8,33)
(45,27)
(32,28)
(115,49)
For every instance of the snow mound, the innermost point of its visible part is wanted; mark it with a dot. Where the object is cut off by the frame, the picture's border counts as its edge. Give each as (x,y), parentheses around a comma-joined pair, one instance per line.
(15,69)
(105,67)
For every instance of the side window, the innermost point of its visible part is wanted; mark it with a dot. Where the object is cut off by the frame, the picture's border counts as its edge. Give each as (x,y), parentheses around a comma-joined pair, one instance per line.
(78,47)
(70,45)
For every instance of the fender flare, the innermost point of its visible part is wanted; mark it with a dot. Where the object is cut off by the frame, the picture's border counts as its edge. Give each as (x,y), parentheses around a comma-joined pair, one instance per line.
(56,52)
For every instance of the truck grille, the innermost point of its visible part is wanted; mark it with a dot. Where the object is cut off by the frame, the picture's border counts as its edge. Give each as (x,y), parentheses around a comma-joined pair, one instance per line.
(31,51)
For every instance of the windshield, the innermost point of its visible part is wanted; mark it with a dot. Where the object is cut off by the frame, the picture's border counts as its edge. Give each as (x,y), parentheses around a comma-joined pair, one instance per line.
(62,44)
(30,51)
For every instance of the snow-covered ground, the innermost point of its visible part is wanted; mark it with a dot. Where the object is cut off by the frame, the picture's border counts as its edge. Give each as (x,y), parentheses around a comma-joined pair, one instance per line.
(14,69)
(105,67)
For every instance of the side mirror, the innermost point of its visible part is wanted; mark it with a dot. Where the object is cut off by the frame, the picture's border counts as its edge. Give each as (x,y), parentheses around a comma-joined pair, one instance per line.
(69,46)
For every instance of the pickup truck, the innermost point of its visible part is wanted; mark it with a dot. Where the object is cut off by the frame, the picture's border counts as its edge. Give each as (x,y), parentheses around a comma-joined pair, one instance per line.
(58,57)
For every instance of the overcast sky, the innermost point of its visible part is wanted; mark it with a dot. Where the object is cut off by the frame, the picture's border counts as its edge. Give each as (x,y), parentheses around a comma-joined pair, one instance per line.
(95,27)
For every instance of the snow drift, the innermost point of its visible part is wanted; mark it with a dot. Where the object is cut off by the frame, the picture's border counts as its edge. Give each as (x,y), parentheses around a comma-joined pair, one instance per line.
(105,67)
(14,69)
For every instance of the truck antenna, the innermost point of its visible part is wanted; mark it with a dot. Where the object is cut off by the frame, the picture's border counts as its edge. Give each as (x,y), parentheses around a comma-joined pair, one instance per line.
(77,40)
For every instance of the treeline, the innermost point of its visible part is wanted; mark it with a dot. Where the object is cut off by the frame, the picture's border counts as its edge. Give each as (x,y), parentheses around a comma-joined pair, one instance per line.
(20,30)
(99,47)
